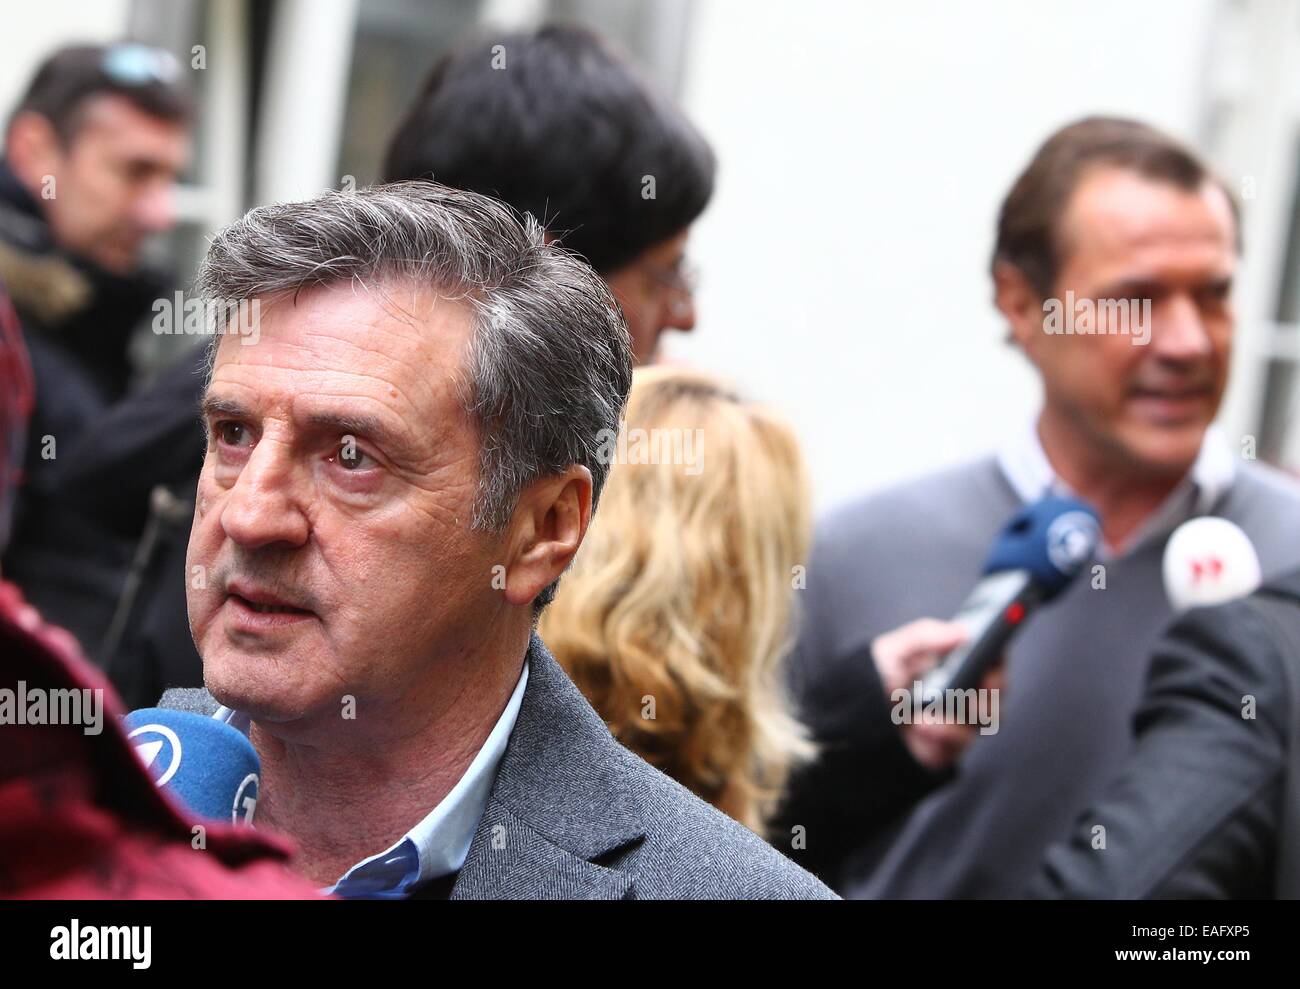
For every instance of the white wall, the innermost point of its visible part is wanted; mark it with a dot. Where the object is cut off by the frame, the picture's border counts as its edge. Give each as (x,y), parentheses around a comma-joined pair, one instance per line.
(864,147)
(33,30)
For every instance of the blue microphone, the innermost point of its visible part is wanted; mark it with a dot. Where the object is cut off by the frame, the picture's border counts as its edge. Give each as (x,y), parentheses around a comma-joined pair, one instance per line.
(1037,554)
(205,764)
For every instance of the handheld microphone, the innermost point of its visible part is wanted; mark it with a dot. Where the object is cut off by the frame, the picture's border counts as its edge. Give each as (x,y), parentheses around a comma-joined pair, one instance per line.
(1209,561)
(205,764)
(1036,555)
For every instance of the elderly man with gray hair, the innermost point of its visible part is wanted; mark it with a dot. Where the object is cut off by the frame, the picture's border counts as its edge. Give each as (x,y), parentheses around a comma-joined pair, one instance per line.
(401,462)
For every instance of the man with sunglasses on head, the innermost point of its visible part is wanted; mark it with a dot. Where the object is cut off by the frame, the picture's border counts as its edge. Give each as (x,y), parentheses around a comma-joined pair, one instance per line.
(92,152)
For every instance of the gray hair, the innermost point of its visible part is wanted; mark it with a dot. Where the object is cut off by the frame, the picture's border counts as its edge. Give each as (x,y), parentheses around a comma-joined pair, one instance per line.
(549,365)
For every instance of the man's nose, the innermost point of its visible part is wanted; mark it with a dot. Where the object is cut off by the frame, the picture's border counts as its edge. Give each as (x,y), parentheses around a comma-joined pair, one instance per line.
(1180,333)
(156,207)
(263,508)
(681,312)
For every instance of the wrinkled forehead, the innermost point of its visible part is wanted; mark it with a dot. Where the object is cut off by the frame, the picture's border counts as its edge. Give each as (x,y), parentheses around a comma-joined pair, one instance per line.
(401,347)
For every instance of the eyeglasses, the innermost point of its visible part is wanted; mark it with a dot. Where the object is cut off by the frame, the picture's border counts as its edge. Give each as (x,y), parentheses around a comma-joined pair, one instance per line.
(132,64)
(682,277)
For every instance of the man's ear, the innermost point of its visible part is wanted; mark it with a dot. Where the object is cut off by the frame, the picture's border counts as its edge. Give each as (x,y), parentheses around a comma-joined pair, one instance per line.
(33,150)
(1019,304)
(548,526)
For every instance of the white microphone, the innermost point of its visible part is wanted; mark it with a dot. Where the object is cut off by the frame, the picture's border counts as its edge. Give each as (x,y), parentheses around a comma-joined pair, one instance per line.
(1208,561)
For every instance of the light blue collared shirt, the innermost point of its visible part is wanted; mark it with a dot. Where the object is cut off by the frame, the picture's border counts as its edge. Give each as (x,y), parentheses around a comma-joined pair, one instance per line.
(439,844)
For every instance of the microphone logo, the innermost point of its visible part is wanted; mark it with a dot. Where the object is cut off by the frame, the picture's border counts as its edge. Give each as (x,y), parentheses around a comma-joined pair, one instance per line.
(245,801)
(1208,561)
(160,751)
(1071,539)
(1210,567)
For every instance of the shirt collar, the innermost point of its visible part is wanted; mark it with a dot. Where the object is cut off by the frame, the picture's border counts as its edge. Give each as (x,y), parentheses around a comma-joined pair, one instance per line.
(1027,469)
(439,844)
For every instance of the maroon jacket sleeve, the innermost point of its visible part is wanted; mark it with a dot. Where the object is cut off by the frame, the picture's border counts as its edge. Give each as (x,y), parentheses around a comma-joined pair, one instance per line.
(79,816)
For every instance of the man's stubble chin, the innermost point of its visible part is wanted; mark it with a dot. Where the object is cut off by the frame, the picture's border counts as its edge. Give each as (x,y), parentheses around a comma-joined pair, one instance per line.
(272,685)
(1165,451)
(235,681)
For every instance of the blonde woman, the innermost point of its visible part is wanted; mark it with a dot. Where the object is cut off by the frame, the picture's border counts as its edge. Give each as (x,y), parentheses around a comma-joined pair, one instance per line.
(678,610)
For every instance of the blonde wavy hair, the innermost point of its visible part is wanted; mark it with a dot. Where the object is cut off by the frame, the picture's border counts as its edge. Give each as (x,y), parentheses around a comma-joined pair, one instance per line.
(678,611)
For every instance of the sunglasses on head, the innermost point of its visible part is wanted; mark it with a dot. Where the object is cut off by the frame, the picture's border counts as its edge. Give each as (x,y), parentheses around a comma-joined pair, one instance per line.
(132,64)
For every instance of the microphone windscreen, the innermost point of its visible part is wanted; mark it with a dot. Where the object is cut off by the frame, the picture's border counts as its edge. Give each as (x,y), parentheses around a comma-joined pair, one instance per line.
(194,699)
(205,764)
(1209,561)
(1052,539)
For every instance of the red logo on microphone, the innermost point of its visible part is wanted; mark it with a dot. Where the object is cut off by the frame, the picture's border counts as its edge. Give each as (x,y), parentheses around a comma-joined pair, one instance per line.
(1210,567)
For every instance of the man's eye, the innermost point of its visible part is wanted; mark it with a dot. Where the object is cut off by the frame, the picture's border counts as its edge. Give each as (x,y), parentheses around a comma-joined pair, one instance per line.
(232,433)
(350,456)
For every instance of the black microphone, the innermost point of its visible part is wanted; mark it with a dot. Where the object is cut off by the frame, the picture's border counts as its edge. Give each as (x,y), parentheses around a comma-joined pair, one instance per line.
(1036,555)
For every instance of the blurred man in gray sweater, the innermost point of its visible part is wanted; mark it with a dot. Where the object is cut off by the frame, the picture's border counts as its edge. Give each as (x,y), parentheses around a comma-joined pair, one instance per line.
(1113,266)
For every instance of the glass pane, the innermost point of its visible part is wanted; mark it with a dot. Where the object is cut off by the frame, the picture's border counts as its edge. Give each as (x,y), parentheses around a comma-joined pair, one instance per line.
(1275,416)
(177,26)
(396,43)
(1288,302)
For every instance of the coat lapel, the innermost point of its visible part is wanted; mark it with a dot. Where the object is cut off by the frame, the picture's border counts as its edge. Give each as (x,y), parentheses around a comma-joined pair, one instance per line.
(560,807)
(511,860)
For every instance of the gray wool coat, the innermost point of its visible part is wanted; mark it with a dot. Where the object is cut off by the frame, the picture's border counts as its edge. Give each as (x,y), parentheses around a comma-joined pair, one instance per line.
(573,815)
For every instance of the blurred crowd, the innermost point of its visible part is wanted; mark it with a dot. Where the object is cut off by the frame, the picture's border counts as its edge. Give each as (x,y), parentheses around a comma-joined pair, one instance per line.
(751,656)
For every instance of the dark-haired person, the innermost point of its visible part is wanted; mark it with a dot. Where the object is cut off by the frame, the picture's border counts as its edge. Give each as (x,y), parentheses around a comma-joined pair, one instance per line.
(1107,209)
(92,152)
(557,123)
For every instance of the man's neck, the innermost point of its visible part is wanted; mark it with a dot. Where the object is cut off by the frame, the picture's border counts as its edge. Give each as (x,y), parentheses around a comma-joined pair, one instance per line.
(351,791)
(1124,497)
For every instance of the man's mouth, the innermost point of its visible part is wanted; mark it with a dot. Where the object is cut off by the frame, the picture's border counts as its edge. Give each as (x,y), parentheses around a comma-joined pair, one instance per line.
(258,608)
(270,609)
(1178,391)
(1172,402)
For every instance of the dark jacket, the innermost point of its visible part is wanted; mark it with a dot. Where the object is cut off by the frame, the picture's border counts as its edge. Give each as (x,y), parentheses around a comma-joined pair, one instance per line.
(135,473)
(77,321)
(573,815)
(1207,806)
